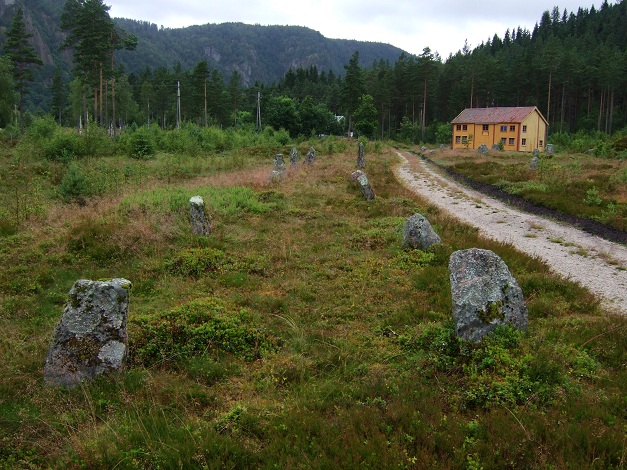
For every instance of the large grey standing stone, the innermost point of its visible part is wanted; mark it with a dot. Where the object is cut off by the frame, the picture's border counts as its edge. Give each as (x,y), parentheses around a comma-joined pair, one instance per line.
(361,162)
(536,153)
(483,149)
(418,233)
(311,156)
(294,156)
(485,294)
(201,226)
(91,338)
(550,149)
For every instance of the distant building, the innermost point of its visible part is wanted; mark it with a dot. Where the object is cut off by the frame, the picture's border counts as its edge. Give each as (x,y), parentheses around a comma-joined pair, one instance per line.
(521,128)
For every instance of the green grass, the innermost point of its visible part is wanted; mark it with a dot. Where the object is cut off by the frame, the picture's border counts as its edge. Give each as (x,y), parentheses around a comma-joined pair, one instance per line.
(297,335)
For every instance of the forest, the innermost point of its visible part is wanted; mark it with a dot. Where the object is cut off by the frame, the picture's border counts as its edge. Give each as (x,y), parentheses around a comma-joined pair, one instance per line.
(572,66)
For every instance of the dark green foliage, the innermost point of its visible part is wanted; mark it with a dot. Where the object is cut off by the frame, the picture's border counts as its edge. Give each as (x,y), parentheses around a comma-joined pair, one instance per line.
(140,144)
(194,329)
(21,53)
(196,262)
(74,186)
(498,371)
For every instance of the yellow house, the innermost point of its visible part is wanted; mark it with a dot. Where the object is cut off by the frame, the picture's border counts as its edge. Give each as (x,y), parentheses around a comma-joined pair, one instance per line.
(521,128)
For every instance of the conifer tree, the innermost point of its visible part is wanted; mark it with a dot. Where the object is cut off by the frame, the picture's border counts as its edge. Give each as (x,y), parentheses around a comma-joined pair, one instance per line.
(22,54)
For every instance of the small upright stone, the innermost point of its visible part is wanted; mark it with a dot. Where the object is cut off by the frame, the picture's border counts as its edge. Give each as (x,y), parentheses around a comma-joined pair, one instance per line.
(361,162)
(483,149)
(311,156)
(536,153)
(294,156)
(91,338)
(199,223)
(534,163)
(485,294)
(496,147)
(550,149)
(423,149)
(279,168)
(365,188)
(418,233)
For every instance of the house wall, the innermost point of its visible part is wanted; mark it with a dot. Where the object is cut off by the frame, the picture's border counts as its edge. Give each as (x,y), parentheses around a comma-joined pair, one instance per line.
(532,130)
(466,131)
(535,135)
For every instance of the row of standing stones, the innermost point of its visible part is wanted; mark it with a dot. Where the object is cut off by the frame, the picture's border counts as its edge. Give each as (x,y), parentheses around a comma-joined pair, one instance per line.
(91,338)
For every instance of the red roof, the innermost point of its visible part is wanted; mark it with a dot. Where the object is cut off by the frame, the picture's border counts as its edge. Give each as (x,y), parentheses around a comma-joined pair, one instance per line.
(495,115)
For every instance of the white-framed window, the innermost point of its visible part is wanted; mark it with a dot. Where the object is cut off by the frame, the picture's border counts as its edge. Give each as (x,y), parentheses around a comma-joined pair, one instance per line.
(458,127)
(485,128)
(541,142)
(524,129)
(458,139)
(503,128)
(512,128)
(464,139)
(503,140)
(464,127)
(523,142)
(512,141)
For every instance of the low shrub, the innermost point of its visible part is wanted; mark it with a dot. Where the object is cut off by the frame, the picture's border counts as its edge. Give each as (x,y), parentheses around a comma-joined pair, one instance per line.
(194,329)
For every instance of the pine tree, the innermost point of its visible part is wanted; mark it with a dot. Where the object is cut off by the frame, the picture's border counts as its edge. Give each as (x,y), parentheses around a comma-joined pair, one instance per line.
(7,93)
(353,88)
(22,54)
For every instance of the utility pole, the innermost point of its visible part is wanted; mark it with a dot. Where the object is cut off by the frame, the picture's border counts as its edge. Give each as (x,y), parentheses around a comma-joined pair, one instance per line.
(259,110)
(178,104)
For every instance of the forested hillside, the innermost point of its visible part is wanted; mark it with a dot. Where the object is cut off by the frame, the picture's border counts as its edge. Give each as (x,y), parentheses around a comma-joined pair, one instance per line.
(572,65)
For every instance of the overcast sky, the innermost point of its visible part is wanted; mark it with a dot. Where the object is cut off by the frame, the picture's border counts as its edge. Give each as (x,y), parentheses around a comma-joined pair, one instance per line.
(412,25)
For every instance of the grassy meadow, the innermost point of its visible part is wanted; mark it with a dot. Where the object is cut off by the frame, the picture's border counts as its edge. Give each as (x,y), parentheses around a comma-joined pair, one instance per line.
(297,335)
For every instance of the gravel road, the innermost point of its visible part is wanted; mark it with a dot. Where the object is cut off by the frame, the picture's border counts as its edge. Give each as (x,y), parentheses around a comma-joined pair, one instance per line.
(597,264)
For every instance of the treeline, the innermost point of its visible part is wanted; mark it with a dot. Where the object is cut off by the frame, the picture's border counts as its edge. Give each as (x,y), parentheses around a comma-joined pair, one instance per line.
(573,66)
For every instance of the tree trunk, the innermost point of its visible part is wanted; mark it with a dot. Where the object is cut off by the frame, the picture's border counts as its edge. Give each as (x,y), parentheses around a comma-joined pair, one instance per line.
(600,110)
(548,103)
(424,108)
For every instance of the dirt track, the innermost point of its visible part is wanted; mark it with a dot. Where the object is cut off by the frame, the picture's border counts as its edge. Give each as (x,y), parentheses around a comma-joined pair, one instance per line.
(592,261)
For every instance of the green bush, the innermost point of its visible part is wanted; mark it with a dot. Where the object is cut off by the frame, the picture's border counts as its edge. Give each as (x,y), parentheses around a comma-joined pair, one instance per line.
(140,144)
(195,328)
(74,186)
(64,146)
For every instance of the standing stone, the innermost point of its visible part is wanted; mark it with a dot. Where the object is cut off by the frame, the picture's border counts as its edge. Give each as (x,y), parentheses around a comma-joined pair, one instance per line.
(361,162)
(294,156)
(91,338)
(534,163)
(311,156)
(418,233)
(536,153)
(442,147)
(496,147)
(279,168)
(485,294)
(200,225)
(550,149)
(483,149)
(364,186)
